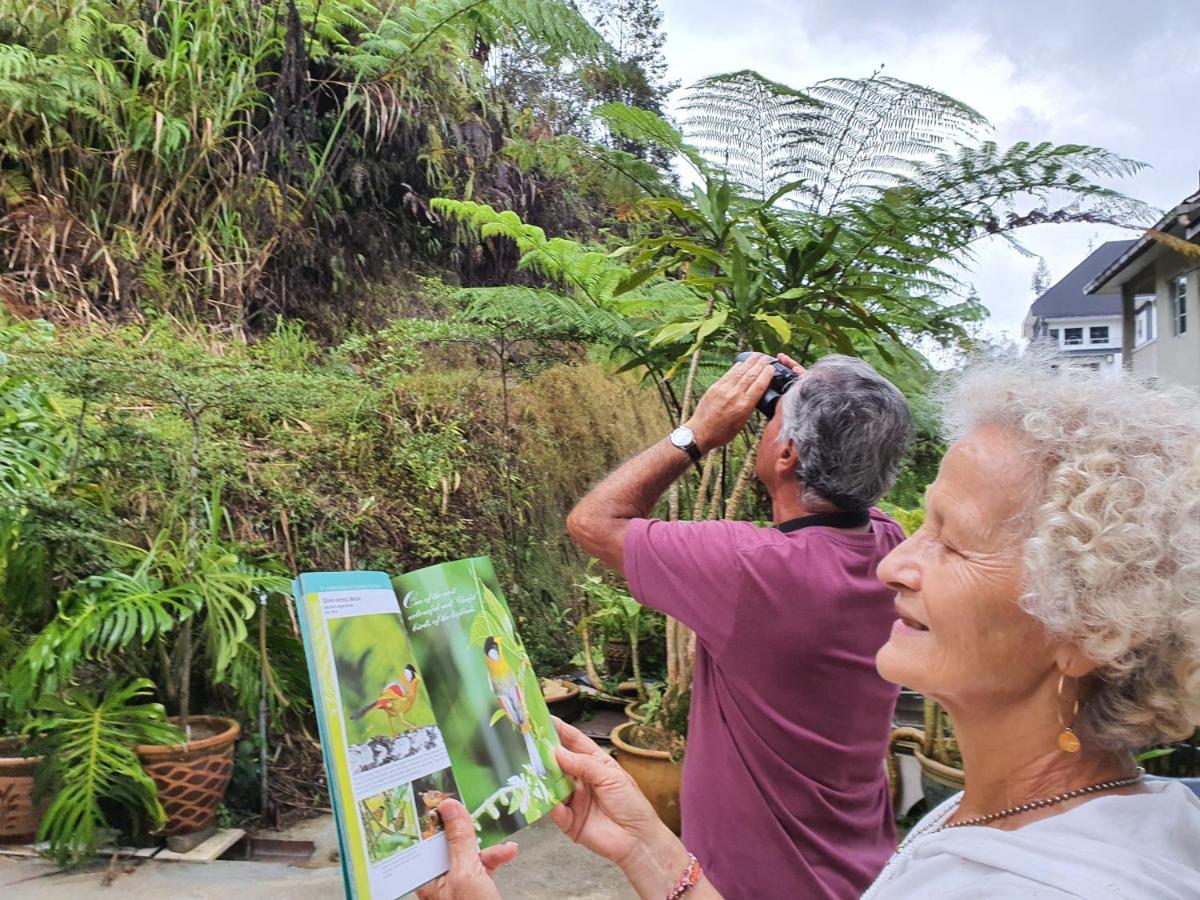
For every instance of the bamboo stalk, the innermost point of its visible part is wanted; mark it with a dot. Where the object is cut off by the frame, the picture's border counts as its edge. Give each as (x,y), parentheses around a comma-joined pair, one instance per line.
(715,506)
(702,490)
(743,480)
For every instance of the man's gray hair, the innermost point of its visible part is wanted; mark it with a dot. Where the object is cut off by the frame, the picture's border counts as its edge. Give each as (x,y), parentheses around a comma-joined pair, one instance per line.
(851,427)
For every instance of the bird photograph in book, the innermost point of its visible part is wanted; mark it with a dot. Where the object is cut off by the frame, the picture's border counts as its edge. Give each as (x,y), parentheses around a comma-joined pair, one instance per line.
(385,703)
(485,692)
(390,822)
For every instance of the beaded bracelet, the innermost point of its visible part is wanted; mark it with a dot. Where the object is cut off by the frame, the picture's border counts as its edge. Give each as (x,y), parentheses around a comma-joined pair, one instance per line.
(691,875)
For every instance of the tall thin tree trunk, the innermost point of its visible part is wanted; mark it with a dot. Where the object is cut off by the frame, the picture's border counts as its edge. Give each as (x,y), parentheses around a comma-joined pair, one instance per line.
(187,633)
(743,480)
(702,490)
(718,494)
(681,642)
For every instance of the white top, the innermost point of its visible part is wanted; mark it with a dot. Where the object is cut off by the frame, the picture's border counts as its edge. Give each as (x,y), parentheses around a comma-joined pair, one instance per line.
(1144,845)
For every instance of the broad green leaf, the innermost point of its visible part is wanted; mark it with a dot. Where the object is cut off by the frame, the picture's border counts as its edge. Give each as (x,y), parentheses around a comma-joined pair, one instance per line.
(674,331)
(778,324)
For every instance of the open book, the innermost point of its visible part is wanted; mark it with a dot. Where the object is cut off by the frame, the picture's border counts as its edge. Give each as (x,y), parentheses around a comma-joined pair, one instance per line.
(423,691)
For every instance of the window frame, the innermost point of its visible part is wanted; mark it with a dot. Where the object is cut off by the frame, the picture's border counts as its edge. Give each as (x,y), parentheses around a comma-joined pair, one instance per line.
(1092,329)
(1067,342)
(1179,305)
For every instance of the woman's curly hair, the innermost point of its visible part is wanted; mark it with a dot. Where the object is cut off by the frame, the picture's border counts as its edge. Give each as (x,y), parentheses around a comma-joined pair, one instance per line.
(1112,561)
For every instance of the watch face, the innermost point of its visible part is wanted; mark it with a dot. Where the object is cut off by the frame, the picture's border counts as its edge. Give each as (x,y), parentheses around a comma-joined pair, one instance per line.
(682,436)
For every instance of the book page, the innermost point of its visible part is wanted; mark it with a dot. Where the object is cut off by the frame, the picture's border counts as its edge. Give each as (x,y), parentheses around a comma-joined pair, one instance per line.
(485,694)
(386,756)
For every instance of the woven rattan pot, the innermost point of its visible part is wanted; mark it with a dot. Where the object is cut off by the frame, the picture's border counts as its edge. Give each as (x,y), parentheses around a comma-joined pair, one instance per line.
(19,816)
(192,778)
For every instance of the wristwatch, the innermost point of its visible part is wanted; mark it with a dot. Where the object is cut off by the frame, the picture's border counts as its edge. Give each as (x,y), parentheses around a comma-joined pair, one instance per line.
(683,438)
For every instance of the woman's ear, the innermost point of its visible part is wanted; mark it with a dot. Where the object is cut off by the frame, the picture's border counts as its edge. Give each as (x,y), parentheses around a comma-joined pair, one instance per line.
(1071,661)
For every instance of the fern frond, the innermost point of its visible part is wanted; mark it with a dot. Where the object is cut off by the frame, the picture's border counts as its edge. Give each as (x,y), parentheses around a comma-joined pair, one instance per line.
(535,314)
(648,127)
(744,124)
(554,24)
(841,139)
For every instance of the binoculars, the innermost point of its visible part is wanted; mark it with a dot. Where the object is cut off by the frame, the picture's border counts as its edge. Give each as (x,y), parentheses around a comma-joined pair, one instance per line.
(781,380)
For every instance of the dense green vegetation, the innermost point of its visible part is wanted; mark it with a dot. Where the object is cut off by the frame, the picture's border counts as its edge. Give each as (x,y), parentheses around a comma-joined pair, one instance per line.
(375,284)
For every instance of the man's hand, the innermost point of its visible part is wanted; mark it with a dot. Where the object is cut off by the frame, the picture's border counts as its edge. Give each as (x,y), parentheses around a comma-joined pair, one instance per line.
(726,407)
(470,875)
(791,363)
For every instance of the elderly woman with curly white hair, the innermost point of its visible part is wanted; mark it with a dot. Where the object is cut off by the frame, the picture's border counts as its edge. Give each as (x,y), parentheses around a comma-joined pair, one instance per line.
(1051,603)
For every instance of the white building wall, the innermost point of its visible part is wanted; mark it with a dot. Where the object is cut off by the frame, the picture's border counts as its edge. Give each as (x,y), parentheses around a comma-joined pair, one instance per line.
(1105,356)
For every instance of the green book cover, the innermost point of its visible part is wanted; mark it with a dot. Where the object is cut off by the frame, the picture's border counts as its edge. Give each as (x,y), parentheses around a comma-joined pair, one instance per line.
(423,691)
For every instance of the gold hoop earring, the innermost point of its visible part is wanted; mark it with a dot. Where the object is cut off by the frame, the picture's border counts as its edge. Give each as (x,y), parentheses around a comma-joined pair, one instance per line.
(1068,740)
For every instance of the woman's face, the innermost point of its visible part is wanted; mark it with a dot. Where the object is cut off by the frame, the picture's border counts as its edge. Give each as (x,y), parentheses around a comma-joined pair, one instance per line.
(960,635)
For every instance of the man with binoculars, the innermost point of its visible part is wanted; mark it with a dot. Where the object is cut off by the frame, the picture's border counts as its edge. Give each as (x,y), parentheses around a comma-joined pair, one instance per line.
(784,791)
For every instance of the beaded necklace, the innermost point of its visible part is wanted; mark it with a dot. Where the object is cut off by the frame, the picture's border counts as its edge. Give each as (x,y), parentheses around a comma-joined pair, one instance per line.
(1048,801)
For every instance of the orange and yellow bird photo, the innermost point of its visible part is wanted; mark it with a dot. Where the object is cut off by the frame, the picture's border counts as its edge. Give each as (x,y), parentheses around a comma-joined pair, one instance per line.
(512,699)
(396,700)
(431,800)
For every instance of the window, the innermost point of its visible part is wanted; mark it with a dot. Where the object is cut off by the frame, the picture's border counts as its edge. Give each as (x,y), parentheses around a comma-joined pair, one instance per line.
(1179,305)
(1144,322)
(1098,334)
(1072,336)
(1054,335)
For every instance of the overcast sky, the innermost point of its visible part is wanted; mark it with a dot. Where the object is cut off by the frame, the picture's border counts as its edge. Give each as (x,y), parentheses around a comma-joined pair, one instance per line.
(1125,76)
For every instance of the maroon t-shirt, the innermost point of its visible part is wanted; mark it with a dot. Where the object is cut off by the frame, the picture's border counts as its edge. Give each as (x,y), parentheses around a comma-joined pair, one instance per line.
(784,788)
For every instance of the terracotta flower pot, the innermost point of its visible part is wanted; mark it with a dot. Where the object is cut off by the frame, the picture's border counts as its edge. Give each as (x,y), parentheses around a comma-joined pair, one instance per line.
(19,816)
(658,776)
(192,778)
(562,698)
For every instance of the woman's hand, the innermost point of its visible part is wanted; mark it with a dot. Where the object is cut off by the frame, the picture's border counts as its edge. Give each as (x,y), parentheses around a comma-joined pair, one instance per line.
(470,875)
(607,813)
(610,816)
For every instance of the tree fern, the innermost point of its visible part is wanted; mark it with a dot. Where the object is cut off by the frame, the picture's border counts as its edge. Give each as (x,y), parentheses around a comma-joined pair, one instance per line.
(408,29)
(590,275)
(527,313)
(646,127)
(746,124)
(88,745)
(840,139)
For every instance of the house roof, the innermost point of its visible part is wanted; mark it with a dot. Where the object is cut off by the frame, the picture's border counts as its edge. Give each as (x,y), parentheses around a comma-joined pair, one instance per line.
(1186,213)
(1067,297)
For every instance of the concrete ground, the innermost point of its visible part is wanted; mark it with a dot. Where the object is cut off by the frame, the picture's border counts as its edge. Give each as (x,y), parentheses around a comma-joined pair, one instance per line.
(549,867)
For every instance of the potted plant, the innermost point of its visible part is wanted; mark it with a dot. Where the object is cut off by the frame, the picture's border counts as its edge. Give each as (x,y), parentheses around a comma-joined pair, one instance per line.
(651,751)
(650,745)
(936,750)
(86,741)
(562,698)
(178,607)
(19,813)
(622,621)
